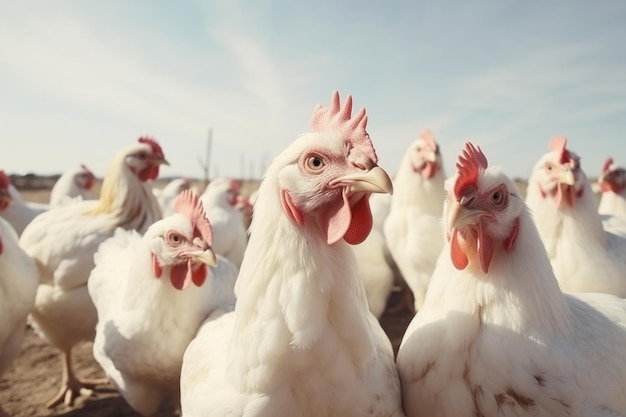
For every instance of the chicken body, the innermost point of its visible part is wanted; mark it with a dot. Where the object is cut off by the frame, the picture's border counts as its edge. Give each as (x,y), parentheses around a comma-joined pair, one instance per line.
(413,227)
(62,242)
(74,185)
(219,199)
(496,336)
(301,340)
(585,256)
(147,315)
(18,284)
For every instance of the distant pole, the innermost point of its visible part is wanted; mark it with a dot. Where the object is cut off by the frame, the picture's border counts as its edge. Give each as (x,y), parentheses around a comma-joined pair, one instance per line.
(206,163)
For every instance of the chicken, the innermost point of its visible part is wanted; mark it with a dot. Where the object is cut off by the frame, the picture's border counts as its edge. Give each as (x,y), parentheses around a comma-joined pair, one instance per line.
(167,195)
(19,212)
(375,271)
(140,287)
(245,207)
(301,341)
(74,185)
(18,284)
(413,227)
(496,336)
(219,199)
(585,257)
(62,241)
(612,182)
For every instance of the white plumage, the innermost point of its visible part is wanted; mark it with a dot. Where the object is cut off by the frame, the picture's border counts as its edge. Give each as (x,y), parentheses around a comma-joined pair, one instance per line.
(413,227)
(19,212)
(301,341)
(147,311)
(375,271)
(219,199)
(167,195)
(496,336)
(62,241)
(612,183)
(74,185)
(18,284)
(585,257)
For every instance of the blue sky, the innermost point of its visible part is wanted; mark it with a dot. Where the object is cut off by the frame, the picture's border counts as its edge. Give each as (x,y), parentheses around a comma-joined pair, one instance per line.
(81,79)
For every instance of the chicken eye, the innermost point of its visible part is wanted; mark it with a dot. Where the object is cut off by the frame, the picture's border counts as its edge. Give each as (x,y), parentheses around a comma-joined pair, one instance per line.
(141,155)
(497,197)
(315,163)
(549,167)
(174,239)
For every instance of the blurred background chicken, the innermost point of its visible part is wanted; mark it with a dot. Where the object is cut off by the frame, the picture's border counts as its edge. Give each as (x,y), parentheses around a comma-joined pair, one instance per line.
(496,336)
(18,212)
(301,340)
(62,242)
(219,200)
(167,195)
(413,226)
(18,284)
(585,257)
(612,183)
(148,309)
(77,183)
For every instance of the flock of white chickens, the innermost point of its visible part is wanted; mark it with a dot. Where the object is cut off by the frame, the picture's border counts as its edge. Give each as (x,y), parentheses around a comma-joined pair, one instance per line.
(519,299)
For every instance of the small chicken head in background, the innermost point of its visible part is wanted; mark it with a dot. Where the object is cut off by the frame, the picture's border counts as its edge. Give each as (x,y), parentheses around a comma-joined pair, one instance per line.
(340,174)
(5,196)
(481,211)
(425,156)
(85,179)
(181,243)
(559,174)
(145,163)
(612,178)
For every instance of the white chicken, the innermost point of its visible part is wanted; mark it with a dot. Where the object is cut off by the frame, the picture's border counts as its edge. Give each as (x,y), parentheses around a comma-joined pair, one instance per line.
(18,284)
(147,311)
(301,341)
(496,336)
(219,199)
(167,195)
(74,185)
(19,213)
(375,271)
(585,257)
(413,227)
(612,183)
(62,241)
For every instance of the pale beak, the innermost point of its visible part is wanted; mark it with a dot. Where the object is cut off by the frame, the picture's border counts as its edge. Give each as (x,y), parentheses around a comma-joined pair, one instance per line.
(460,216)
(159,160)
(204,256)
(567,178)
(374,180)
(431,157)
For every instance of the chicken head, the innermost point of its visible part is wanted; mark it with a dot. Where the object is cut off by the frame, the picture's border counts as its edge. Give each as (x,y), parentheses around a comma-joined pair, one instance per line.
(330,174)
(481,211)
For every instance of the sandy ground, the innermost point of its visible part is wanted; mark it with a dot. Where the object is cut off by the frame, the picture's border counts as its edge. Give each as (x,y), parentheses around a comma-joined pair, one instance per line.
(34,377)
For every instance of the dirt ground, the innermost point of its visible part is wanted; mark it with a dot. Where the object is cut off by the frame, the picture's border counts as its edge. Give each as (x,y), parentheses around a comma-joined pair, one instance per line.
(34,376)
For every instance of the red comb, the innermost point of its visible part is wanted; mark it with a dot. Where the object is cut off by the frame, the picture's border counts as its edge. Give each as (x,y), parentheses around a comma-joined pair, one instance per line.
(340,118)
(188,204)
(5,182)
(428,137)
(607,164)
(471,160)
(156,148)
(558,144)
(87,170)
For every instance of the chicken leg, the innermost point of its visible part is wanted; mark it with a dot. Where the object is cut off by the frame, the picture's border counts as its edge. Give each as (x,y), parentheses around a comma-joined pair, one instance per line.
(71,387)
